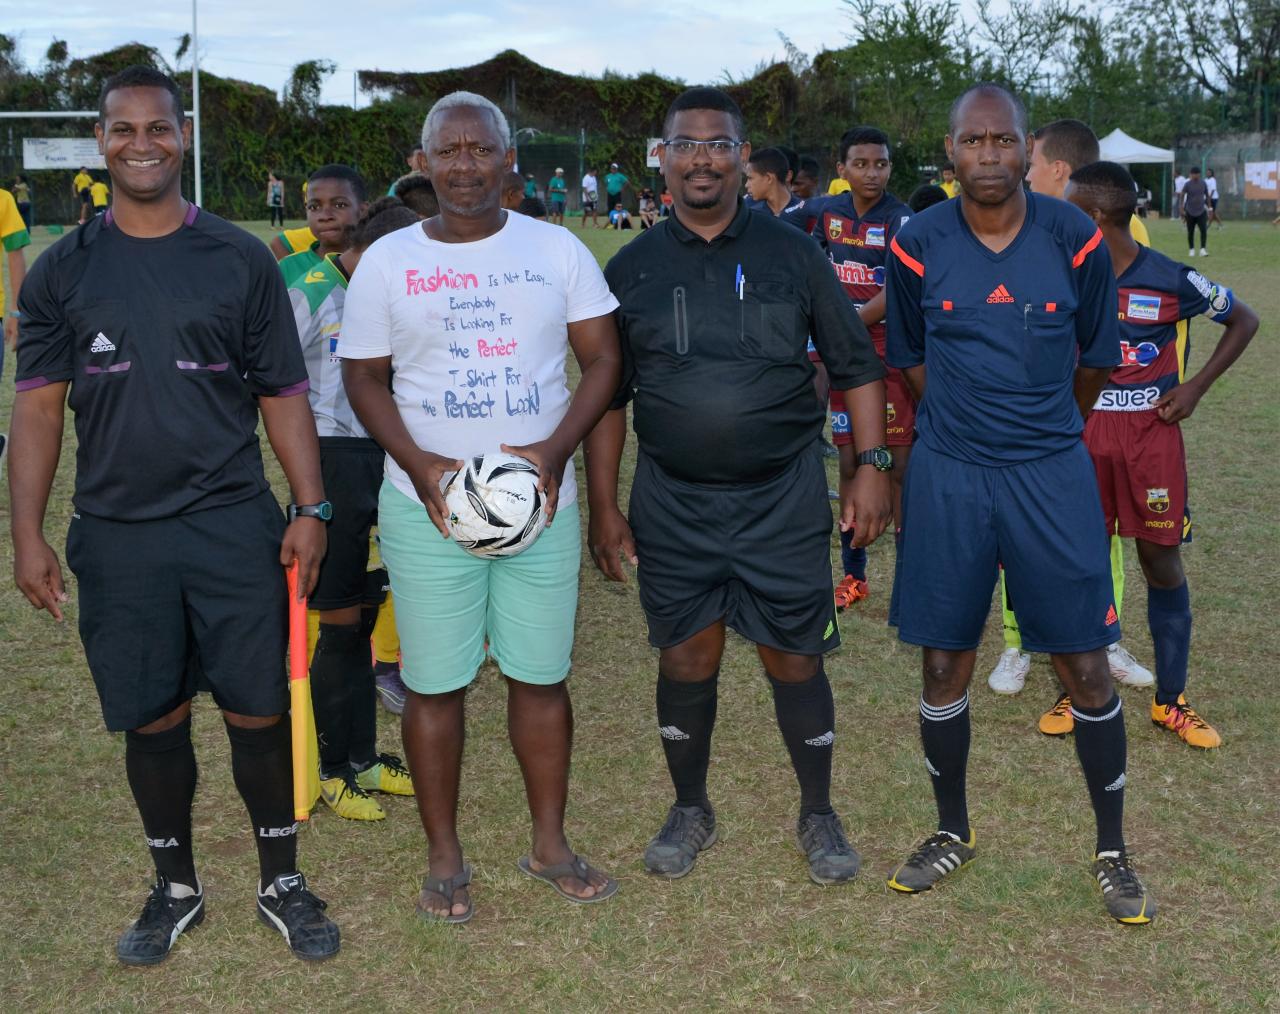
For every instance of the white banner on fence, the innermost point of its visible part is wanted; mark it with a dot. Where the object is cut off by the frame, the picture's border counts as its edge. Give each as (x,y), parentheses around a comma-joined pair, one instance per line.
(61,153)
(651,153)
(1260,181)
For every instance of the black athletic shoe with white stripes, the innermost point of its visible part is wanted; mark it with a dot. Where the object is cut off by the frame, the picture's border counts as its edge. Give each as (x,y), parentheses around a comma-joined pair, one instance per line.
(1126,899)
(299,916)
(164,917)
(939,854)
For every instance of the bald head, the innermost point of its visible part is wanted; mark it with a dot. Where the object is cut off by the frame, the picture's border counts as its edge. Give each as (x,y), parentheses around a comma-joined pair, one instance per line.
(987,89)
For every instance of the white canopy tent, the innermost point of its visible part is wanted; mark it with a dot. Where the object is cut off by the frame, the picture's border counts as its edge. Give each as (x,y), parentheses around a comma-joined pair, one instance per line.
(1120,147)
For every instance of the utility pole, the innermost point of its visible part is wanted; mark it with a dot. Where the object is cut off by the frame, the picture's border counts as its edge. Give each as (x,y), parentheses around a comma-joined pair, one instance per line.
(195,96)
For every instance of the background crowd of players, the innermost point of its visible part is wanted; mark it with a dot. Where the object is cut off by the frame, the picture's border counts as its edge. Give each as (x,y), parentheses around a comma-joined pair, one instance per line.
(1131,434)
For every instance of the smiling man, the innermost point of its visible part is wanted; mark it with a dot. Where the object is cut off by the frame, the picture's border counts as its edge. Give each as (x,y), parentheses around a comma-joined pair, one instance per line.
(172,330)
(433,303)
(1000,316)
(729,521)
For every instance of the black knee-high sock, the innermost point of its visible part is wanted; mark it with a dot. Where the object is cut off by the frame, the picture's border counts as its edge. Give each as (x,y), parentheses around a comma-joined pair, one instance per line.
(362,705)
(1169,616)
(686,718)
(944,731)
(339,654)
(807,719)
(262,766)
(161,767)
(1101,747)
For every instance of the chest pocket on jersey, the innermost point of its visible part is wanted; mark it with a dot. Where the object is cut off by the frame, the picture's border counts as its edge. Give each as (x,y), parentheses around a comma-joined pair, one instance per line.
(1049,348)
(103,352)
(206,338)
(770,321)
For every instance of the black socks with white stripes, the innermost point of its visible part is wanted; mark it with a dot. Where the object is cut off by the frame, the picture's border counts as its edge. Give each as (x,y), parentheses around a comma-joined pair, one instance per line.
(807,720)
(1101,747)
(262,765)
(686,718)
(944,731)
(161,768)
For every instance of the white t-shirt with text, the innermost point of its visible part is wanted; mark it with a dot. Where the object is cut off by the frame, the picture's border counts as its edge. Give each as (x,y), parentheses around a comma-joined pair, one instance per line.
(477,334)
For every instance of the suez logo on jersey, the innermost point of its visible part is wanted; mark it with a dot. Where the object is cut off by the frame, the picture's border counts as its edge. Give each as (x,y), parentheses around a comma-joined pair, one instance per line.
(1127,399)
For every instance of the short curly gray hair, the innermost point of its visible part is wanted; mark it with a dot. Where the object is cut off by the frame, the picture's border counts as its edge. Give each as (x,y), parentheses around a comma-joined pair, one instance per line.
(466,100)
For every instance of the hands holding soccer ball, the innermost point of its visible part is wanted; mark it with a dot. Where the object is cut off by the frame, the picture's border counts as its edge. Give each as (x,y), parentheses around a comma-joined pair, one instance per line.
(550,459)
(427,472)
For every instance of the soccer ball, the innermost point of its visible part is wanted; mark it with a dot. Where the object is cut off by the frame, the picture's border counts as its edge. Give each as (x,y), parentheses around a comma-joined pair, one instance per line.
(494,506)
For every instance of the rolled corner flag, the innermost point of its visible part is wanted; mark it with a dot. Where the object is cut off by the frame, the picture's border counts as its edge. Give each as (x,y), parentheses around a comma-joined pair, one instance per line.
(306,760)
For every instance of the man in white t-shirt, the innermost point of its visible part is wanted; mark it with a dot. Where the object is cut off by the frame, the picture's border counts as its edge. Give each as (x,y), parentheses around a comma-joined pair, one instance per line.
(590,198)
(473,313)
(1179,181)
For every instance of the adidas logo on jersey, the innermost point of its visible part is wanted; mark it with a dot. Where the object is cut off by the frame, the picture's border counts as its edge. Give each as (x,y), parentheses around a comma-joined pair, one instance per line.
(101,343)
(671,732)
(1000,295)
(1112,618)
(826,739)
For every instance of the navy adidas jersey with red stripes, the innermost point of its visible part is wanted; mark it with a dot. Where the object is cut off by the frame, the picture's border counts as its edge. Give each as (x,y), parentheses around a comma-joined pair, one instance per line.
(1001,334)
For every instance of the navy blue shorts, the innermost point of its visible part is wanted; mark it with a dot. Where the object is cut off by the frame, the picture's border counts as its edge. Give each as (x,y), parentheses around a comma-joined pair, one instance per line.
(1042,520)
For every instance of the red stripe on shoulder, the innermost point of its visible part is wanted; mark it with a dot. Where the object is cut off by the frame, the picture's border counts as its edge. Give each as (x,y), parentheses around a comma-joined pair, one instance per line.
(907,259)
(1087,249)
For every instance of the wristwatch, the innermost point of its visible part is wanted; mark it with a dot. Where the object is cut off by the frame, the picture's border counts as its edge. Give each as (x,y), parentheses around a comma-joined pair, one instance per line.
(322,511)
(881,457)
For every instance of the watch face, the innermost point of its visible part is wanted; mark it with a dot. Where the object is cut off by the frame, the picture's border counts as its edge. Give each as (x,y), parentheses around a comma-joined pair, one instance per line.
(325,511)
(883,459)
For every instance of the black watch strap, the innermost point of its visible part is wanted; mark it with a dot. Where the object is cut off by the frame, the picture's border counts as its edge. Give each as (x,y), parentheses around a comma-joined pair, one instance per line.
(322,511)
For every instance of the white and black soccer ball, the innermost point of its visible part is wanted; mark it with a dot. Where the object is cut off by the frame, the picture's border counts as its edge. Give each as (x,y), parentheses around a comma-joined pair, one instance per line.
(494,506)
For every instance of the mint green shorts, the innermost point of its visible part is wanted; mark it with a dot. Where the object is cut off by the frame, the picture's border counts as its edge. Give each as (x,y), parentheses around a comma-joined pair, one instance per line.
(448,602)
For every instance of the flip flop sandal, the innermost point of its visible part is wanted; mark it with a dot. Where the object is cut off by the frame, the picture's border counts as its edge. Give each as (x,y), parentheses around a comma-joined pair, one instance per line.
(445,887)
(576,867)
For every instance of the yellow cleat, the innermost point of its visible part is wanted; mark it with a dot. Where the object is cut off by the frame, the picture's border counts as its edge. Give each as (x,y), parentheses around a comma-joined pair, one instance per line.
(389,775)
(347,799)
(1190,727)
(1057,721)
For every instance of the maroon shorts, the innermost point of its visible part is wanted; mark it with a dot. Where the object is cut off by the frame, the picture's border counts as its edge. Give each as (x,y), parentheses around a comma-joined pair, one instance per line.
(1141,465)
(899,415)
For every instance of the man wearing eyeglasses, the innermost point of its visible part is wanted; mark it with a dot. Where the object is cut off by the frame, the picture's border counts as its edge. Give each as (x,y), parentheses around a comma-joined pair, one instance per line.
(729,520)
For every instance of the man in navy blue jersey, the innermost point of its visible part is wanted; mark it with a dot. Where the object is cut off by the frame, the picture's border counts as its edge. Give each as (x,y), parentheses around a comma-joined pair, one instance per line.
(1000,314)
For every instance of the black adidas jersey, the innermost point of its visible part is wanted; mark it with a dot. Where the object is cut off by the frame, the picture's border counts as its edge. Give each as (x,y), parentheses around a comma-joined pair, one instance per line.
(166,343)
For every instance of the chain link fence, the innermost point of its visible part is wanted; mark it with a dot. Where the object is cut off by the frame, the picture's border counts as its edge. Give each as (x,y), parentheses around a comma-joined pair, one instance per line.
(1242,164)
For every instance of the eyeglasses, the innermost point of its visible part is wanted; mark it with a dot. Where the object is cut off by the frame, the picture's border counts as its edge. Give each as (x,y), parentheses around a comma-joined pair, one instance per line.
(684,147)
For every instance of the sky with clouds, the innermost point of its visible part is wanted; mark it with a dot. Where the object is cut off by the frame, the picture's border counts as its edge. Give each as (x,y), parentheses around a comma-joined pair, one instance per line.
(260,41)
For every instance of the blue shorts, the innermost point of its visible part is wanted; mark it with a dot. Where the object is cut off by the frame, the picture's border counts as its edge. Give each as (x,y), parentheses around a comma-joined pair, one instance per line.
(448,602)
(1042,520)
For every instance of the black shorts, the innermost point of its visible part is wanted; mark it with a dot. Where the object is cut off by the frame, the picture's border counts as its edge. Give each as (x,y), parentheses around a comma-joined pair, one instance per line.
(192,602)
(85,196)
(757,556)
(352,471)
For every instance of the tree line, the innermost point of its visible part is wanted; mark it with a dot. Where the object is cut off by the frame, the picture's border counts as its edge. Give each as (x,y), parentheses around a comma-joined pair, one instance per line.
(1156,68)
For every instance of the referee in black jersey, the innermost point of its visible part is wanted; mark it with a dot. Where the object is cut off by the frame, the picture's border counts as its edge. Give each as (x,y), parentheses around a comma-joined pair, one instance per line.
(171,330)
(729,520)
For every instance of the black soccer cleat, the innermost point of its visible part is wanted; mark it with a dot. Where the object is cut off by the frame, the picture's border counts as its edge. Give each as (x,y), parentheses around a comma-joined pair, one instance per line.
(1126,899)
(164,918)
(940,854)
(299,916)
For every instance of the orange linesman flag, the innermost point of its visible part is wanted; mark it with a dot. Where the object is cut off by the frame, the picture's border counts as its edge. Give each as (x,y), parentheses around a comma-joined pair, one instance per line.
(306,760)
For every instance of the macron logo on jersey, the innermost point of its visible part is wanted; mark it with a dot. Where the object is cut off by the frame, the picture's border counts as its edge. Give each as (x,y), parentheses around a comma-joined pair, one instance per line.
(1000,295)
(101,343)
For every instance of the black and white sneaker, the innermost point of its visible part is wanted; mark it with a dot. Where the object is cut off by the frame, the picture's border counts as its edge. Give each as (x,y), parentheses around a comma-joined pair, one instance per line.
(1126,899)
(164,917)
(939,855)
(298,914)
(674,849)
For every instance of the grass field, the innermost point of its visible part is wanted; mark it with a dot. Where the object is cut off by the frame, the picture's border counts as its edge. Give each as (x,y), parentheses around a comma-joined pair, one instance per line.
(1022,929)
